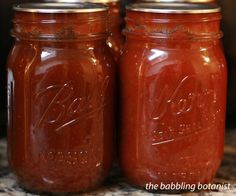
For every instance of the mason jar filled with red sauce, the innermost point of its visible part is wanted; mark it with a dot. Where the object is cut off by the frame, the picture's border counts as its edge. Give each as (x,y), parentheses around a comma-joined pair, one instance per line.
(115,40)
(61,80)
(173,94)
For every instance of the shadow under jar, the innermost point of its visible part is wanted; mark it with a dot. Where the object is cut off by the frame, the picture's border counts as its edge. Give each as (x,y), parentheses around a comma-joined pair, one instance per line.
(60,97)
(173,94)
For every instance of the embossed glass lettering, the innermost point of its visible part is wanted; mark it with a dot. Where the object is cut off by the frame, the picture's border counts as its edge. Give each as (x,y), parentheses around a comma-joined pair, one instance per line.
(66,106)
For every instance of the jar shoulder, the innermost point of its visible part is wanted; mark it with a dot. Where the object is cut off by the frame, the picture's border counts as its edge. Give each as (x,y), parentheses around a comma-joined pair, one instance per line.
(194,58)
(68,56)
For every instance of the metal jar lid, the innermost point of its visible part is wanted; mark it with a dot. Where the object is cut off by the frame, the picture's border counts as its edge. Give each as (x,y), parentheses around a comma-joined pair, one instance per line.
(60,7)
(78,1)
(175,8)
(179,1)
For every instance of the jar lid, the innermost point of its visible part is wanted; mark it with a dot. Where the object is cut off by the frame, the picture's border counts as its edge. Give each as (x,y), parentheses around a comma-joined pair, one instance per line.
(180,1)
(60,7)
(77,1)
(175,8)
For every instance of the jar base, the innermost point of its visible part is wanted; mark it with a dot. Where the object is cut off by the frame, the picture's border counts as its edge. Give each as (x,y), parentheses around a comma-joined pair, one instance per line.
(56,193)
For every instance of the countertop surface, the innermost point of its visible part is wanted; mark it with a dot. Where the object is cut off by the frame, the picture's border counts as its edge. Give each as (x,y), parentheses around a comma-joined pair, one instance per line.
(116,185)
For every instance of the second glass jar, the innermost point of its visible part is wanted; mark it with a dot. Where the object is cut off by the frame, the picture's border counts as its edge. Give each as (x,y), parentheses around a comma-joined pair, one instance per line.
(115,40)
(173,94)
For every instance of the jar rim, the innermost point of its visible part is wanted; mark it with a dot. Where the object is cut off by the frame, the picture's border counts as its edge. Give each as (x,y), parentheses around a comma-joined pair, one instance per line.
(180,1)
(84,7)
(174,8)
(79,1)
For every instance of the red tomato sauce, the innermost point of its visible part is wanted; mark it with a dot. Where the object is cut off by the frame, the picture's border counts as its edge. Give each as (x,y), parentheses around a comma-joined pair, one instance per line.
(173,96)
(60,100)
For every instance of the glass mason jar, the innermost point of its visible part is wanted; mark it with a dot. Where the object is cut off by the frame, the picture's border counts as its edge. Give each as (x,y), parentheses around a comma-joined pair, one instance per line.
(173,94)
(116,40)
(61,81)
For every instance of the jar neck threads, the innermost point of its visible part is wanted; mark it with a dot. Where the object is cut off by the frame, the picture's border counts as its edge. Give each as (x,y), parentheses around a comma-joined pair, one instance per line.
(42,23)
(173,26)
